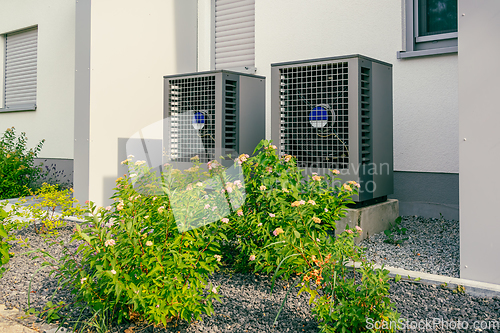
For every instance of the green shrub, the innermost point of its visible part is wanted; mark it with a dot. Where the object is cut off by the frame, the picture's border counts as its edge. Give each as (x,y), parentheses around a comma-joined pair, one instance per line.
(287,228)
(18,174)
(135,264)
(8,222)
(4,246)
(46,200)
(148,256)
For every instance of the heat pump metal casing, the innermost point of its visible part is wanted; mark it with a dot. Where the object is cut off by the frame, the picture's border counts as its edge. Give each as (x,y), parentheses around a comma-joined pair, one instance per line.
(337,113)
(233,109)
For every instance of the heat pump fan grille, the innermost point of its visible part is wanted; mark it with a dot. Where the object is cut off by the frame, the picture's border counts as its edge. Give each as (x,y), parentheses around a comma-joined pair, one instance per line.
(314,115)
(192,115)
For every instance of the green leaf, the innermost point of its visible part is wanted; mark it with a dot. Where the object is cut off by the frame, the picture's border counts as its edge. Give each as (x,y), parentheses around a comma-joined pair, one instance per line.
(296,233)
(397,278)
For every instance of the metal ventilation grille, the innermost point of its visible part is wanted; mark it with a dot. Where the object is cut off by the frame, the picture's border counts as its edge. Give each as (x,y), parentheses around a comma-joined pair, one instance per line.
(365,117)
(192,116)
(314,115)
(230,116)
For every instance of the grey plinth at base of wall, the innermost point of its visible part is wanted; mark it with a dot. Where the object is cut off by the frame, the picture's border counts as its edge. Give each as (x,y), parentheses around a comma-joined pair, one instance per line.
(372,219)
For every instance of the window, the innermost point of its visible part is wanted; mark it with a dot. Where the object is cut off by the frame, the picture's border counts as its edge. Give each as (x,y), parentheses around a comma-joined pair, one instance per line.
(234,35)
(20,70)
(431,28)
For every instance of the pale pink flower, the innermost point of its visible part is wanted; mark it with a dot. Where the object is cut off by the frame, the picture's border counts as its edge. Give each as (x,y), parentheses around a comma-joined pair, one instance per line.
(259,225)
(82,280)
(238,183)
(349,231)
(271,215)
(229,189)
(133,175)
(316,220)
(312,202)
(316,178)
(278,231)
(239,212)
(347,187)
(207,206)
(199,184)
(252,258)
(217,257)
(262,188)
(358,228)
(149,243)
(113,272)
(140,162)
(326,210)
(109,242)
(214,290)
(189,187)
(108,208)
(269,169)
(161,209)
(214,208)
(335,172)
(225,220)
(302,202)
(288,158)
(274,147)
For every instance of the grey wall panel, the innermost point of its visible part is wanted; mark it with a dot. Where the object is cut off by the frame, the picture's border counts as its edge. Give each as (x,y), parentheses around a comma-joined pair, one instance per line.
(59,170)
(82,100)
(427,194)
(479,145)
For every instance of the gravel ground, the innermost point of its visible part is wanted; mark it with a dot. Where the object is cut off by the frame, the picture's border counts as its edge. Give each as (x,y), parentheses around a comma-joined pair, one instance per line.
(433,247)
(247,305)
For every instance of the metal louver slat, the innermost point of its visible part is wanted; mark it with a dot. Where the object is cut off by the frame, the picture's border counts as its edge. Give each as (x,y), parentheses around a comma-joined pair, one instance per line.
(234,34)
(241,25)
(21,69)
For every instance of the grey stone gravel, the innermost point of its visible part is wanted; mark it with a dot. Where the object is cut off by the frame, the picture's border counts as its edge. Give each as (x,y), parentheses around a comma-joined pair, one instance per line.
(247,305)
(433,247)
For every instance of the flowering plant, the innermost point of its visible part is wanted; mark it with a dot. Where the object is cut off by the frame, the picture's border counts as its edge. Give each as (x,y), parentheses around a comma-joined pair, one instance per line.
(288,228)
(137,263)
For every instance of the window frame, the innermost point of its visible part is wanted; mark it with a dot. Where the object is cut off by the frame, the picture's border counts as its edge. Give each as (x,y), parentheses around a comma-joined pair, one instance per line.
(418,46)
(3,79)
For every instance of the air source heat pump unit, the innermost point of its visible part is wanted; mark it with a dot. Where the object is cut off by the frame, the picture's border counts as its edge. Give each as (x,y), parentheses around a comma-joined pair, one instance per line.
(212,114)
(336,113)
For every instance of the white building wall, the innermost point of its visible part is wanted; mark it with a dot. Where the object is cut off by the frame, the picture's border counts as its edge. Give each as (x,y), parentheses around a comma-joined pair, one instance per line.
(425,89)
(53,119)
(132,46)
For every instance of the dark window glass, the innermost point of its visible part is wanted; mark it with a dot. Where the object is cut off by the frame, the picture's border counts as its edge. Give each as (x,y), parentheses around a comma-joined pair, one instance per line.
(437,17)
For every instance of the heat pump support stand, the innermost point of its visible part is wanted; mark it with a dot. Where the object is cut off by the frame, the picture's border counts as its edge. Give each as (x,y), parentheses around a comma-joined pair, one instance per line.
(372,219)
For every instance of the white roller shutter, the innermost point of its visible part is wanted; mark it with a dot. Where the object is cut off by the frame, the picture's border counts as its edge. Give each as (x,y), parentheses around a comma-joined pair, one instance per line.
(20,69)
(234,34)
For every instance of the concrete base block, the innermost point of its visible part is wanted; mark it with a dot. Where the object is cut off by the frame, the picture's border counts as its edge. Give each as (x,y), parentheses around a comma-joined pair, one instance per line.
(372,219)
